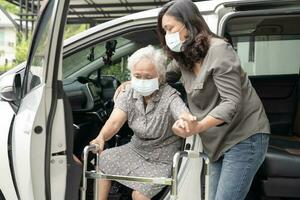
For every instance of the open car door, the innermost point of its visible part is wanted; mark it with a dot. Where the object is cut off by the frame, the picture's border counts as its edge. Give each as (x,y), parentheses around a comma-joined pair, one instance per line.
(38,141)
(267,41)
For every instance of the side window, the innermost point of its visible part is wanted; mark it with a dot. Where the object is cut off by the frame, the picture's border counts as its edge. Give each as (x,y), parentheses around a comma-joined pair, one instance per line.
(39,51)
(269,54)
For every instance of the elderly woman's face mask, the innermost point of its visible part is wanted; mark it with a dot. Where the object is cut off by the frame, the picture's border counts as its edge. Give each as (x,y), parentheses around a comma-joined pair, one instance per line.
(145,87)
(144,78)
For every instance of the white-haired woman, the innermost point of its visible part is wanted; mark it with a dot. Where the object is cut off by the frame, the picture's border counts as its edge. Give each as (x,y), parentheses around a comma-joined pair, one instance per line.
(151,107)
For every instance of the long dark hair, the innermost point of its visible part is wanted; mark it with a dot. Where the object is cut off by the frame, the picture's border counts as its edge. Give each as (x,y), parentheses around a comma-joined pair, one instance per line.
(195,47)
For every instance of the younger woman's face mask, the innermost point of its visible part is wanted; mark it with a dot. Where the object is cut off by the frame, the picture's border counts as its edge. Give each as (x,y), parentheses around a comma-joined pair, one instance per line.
(173,41)
(145,87)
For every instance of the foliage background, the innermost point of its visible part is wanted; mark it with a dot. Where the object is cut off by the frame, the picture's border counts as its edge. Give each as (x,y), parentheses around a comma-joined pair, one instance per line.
(23,44)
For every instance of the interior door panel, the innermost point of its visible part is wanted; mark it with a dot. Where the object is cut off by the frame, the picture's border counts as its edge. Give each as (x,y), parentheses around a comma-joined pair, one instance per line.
(278,94)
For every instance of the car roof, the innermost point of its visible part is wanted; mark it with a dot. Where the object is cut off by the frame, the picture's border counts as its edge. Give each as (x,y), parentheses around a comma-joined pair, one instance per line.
(205,7)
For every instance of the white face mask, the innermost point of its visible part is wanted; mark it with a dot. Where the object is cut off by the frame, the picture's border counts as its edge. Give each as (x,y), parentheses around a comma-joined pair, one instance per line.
(173,41)
(144,87)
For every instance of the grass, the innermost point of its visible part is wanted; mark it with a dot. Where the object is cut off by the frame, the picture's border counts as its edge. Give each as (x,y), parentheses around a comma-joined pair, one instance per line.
(4,68)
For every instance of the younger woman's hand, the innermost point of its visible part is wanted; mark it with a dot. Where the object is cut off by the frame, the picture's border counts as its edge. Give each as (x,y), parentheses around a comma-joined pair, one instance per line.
(121,88)
(186,116)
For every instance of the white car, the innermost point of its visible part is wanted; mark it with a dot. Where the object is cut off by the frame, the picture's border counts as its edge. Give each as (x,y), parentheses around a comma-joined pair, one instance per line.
(52,106)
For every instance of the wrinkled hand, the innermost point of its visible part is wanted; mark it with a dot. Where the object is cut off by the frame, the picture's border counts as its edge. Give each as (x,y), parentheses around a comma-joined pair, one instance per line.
(99,141)
(121,88)
(186,125)
(180,128)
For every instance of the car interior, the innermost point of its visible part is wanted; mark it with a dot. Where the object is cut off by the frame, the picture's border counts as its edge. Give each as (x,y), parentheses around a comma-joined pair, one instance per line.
(90,96)
(274,74)
(268,47)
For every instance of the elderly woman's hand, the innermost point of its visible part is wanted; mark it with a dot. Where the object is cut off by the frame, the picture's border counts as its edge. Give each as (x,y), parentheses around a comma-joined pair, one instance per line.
(186,124)
(180,128)
(186,128)
(121,88)
(99,141)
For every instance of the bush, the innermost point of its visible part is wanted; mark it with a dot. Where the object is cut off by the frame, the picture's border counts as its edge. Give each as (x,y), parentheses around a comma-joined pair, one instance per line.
(22,48)
(5,68)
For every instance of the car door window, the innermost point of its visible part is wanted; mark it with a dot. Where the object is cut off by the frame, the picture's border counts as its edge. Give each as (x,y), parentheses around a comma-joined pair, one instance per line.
(266,45)
(269,54)
(38,57)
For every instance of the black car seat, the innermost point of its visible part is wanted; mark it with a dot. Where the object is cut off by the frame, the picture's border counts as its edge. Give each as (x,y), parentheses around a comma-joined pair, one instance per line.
(279,176)
(74,168)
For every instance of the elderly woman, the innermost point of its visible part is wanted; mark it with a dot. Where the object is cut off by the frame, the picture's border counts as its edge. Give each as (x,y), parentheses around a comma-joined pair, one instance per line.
(151,108)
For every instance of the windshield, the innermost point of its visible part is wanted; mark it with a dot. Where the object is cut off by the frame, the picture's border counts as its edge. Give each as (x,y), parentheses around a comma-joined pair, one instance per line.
(86,56)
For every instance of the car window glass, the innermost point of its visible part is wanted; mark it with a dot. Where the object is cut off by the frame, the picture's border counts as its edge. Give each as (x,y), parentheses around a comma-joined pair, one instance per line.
(266,45)
(269,54)
(37,61)
(86,56)
(118,70)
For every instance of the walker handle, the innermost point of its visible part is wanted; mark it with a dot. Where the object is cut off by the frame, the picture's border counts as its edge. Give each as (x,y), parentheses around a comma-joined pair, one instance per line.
(87,149)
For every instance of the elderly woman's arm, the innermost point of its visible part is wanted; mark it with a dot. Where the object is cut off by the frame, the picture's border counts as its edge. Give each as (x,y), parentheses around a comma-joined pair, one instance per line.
(179,110)
(116,120)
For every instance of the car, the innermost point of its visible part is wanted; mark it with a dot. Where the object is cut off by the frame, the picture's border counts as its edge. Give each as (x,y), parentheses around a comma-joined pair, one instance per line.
(55,103)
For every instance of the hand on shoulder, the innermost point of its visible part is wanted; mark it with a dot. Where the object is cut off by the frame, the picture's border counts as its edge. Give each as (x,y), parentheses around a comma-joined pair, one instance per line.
(121,88)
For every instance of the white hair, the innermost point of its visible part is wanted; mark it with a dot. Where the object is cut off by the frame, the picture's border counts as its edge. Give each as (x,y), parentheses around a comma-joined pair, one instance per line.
(156,56)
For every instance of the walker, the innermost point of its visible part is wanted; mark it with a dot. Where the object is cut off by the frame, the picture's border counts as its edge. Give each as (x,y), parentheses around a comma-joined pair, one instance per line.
(172,181)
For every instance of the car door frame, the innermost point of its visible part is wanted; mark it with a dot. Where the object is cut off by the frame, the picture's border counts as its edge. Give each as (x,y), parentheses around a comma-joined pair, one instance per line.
(228,11)
(49,107)
(231,12)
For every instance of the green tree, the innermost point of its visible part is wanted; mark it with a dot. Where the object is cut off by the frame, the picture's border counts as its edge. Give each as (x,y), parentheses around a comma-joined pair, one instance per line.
(73,29)
(22,48)
(22,45)
(9,7)
(119,70)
